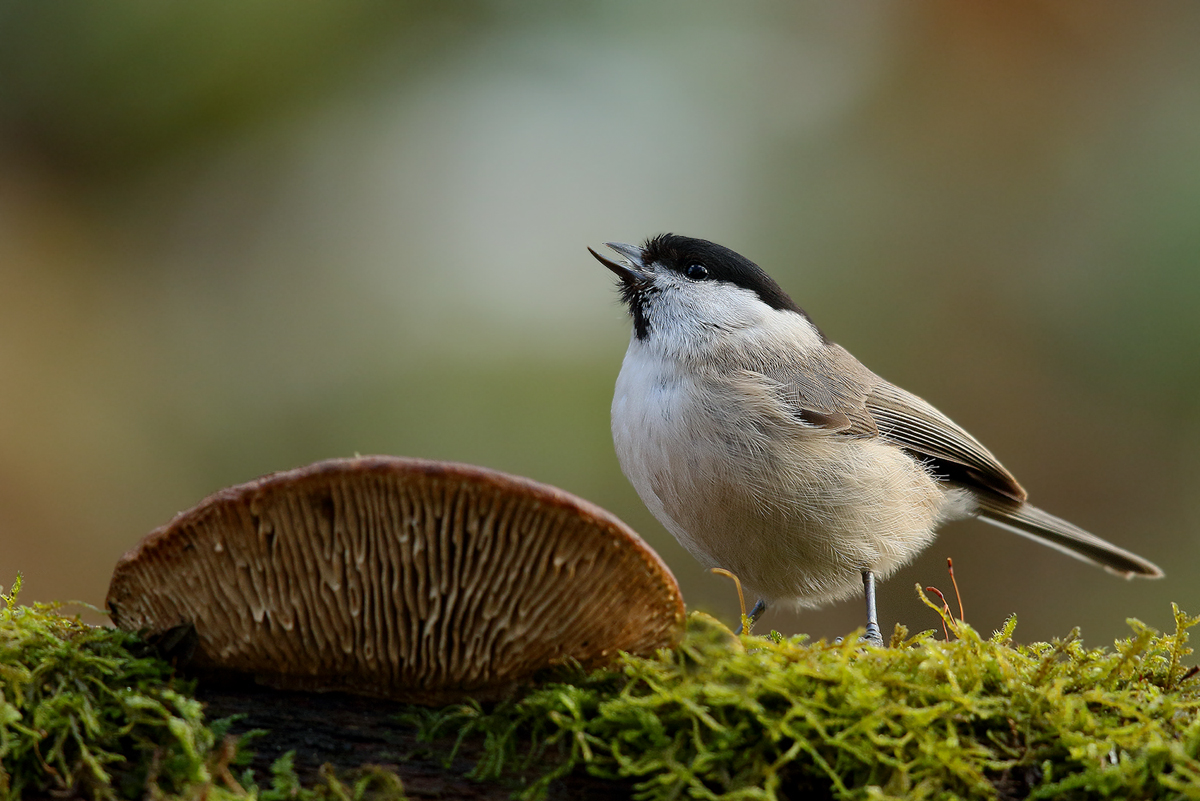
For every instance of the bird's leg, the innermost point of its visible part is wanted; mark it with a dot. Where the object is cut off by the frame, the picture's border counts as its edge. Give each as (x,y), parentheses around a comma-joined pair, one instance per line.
(872,636)
(760,606)
(757,610)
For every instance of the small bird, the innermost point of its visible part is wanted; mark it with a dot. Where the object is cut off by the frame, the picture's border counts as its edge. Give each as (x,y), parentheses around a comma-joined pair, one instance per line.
(771,452)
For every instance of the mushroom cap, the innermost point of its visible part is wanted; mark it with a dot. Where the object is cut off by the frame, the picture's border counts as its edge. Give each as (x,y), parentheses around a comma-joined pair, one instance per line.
(403,578)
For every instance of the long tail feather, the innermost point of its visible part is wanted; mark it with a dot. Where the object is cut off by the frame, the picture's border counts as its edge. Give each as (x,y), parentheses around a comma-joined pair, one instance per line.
(1030,521)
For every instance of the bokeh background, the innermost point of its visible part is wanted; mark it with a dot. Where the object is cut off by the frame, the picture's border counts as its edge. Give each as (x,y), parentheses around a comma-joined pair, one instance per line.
(240,237)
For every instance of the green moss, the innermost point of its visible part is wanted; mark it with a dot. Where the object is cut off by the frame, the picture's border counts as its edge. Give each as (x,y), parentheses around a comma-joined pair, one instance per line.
(76,703)
(765,717)
(90,711)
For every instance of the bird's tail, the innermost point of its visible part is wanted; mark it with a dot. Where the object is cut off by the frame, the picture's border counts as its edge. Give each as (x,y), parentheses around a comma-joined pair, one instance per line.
(1030,521)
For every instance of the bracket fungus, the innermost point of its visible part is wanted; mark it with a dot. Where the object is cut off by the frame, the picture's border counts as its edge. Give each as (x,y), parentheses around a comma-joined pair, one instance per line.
(401,578)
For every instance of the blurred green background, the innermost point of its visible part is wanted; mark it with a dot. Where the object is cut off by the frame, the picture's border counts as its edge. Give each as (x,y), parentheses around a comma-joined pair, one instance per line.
(240,237)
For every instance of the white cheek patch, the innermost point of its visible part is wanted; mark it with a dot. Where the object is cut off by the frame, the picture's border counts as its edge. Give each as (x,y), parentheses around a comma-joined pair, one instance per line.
(785,331)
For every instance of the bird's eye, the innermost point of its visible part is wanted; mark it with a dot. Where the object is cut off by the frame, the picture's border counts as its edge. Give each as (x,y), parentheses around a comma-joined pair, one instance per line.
(696,271)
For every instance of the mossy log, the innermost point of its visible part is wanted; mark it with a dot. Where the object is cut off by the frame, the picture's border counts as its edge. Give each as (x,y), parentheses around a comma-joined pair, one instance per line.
(96,713)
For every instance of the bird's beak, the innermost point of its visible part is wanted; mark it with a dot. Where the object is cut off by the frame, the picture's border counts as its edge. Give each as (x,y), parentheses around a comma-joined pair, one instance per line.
(633,271)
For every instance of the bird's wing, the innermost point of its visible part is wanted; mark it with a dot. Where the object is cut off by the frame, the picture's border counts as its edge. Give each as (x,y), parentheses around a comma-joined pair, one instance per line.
(852,401)
(918,427)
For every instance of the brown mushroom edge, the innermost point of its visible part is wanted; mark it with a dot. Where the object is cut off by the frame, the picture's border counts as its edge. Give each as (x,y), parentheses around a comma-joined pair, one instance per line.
(403,578)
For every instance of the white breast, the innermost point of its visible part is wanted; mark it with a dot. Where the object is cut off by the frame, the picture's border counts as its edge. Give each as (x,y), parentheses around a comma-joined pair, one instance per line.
(648,423)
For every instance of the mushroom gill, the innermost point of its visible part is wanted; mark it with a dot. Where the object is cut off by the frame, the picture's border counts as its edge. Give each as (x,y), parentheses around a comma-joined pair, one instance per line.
(403,578)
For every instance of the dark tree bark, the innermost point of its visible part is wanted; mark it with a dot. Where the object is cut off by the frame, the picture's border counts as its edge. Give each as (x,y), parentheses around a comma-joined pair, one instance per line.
(348,732)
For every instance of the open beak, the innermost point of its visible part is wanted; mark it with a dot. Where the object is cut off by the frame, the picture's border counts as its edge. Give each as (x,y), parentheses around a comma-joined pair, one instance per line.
(633,271)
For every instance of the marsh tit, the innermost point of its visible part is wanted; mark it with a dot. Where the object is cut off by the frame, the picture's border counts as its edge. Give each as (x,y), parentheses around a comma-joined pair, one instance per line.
(771,452)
